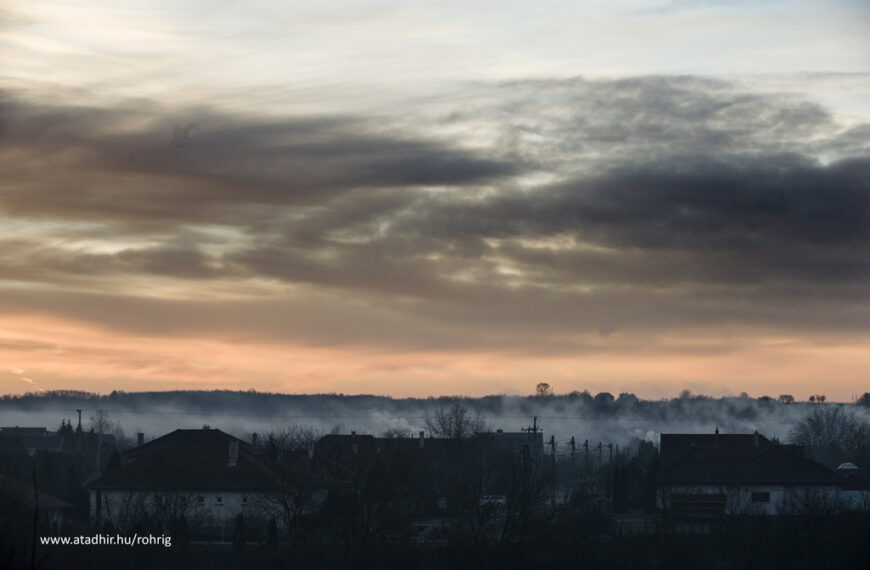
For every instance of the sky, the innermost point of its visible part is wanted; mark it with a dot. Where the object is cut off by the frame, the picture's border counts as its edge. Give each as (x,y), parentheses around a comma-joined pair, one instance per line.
(429,198)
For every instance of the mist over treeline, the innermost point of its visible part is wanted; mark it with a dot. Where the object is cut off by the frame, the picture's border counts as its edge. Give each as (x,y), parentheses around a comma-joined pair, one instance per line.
(597,418)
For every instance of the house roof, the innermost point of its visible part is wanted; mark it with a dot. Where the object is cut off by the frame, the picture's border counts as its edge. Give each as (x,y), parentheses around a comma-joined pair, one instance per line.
(24,432)
(178,469)
(22,494)
(739,459)
(675,446)
(189,439)
(190,460)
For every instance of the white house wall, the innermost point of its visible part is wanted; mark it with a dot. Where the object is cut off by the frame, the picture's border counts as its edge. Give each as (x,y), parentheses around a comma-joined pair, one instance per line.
(201,509)
(783,500)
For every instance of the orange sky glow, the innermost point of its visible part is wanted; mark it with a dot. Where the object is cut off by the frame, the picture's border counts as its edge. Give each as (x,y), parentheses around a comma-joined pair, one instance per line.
(43,353)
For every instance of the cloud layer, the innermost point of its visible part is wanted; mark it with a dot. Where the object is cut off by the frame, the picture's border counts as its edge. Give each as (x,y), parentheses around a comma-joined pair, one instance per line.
(535,217)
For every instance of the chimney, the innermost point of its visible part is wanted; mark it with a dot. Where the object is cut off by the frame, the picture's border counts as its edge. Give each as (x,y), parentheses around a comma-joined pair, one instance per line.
(422,440)
(140,439)
(234,453)
(254,439)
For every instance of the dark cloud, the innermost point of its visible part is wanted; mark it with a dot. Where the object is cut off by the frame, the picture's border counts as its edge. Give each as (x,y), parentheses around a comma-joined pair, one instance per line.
(764,216)
(126,162)
(655,203)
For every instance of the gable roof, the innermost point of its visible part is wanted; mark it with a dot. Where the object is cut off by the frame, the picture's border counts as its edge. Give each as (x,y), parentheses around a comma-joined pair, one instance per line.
(739,459)
(189,439)
(175,469)
(190,460)
(675,446)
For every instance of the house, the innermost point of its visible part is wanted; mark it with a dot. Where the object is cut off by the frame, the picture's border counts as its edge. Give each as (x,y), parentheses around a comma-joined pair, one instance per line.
(513,443)
(18,501)
(207,477)
(856,487)
(446,473)
(29,440)
(707,476)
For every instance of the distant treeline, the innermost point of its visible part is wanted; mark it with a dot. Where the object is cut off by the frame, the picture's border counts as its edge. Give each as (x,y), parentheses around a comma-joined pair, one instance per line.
(601,417)
(223,398)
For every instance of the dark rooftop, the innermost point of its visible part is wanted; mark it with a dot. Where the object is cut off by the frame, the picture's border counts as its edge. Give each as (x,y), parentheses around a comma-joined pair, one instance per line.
(175,469)
(190,460)
(734,459)
(189,439)
(24,432)
(21,493)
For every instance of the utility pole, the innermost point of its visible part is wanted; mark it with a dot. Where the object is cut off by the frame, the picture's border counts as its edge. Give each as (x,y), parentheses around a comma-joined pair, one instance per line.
(610,445)
(573,449)
(80,419)
(525,463)
(599,454)
(533,428)
(553,467)
(524,504)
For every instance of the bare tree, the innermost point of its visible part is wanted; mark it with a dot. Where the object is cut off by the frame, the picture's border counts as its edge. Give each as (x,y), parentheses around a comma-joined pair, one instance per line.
(543,390)
(455,422)
(294,438)
(829,426)
(397,432)
(296,494)
(810,502)
(833,434)
(100,425)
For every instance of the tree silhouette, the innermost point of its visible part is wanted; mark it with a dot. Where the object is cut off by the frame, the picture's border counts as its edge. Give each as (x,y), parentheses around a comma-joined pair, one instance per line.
(455,422)
(833,434)
(543,390)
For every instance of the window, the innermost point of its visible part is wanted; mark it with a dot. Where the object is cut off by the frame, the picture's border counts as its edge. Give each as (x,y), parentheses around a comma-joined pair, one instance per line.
(244,500)
(219,501)
(200,500)
(761,497)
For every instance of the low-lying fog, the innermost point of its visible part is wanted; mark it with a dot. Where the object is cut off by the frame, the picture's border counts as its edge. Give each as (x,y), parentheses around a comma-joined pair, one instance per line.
(599,419)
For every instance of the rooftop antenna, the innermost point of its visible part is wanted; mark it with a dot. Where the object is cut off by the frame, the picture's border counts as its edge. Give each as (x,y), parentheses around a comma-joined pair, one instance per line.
(533,428)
